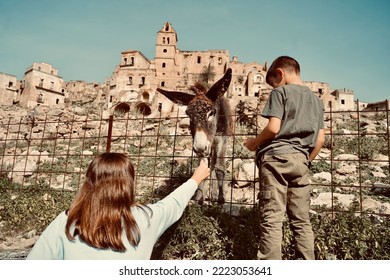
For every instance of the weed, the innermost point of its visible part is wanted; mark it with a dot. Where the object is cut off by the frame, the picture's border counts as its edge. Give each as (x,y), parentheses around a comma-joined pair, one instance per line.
(208,233)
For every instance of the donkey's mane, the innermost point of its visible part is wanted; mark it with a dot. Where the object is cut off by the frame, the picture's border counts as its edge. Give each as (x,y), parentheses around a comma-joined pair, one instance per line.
(199,88)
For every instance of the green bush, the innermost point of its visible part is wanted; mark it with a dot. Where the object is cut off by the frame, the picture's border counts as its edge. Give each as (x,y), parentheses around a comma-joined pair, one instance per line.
(320,166)
(349,236)
(369,146)
(22,210)
(240,233)
(194,237)
(208,233)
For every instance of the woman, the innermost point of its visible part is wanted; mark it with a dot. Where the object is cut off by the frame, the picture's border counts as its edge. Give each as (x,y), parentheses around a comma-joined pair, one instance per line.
(105,222)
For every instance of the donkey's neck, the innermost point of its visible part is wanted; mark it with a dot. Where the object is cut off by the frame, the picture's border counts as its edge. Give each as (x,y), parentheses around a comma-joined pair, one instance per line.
(224,116)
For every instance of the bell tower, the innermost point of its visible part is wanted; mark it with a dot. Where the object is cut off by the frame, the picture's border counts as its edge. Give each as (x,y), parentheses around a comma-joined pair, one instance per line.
(165,58)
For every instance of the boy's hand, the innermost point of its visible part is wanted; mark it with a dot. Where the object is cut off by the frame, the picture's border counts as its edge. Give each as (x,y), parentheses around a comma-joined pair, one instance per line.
(250,144)
(201,172)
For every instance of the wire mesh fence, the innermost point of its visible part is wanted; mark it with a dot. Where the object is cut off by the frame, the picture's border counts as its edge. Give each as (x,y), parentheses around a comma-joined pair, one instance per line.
(54,152)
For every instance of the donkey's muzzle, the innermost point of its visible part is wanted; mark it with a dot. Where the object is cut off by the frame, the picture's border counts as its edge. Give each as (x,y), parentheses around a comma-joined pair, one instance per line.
(203,153)
(201,144)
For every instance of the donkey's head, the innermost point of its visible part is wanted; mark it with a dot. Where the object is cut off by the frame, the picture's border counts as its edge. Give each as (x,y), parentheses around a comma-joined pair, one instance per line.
(204,110)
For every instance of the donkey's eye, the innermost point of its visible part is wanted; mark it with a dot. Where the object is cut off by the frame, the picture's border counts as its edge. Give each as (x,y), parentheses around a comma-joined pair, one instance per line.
(211,115)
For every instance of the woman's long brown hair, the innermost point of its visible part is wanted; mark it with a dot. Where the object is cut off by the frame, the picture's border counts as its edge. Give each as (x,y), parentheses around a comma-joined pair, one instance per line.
(101,210)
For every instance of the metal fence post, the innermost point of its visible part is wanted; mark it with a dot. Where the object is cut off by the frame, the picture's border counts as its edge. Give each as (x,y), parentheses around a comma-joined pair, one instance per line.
(109,133)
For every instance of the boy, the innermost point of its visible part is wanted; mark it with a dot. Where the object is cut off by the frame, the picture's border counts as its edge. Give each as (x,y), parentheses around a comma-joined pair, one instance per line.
(289,142)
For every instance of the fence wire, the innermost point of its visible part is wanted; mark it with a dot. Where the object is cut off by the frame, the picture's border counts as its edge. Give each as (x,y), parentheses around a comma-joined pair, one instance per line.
(55,152)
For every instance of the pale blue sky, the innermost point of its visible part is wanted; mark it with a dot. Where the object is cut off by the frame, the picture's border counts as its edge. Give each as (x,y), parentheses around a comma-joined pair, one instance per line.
(345,43)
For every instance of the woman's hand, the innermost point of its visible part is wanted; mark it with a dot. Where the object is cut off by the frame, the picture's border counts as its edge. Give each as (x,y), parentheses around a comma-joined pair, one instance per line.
(201,172)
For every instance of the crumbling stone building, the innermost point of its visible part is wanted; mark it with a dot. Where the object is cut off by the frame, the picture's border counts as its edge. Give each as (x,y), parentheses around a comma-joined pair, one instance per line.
(136,78)
(41,85)
(134,81)
(9,88)
(338,100)
(378,106)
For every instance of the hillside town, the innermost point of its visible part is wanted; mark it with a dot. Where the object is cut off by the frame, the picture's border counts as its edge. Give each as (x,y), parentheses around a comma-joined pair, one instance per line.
(50,128)
(134,81)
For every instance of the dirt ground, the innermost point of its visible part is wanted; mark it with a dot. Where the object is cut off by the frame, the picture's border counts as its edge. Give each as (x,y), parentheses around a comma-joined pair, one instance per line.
(16,248)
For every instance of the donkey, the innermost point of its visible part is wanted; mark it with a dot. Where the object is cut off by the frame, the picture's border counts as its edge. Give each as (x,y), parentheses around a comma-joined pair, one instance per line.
(210,124)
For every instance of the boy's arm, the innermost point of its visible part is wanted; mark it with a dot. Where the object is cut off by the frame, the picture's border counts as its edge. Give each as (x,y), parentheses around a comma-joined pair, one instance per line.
(266,135)
(319,143)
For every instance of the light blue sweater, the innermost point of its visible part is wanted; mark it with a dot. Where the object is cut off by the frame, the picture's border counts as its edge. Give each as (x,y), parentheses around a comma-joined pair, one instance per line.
(53,243)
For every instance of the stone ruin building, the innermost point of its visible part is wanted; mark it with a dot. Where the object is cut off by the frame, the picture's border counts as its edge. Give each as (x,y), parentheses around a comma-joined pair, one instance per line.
(133,82)
(41,85)
(9,88)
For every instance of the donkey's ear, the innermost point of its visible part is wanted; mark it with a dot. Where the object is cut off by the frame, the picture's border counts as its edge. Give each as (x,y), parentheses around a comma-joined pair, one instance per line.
(221,86)
(177,97)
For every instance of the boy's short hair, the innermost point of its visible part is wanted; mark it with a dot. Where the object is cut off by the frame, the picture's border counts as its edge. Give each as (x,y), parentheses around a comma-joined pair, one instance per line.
(284,62)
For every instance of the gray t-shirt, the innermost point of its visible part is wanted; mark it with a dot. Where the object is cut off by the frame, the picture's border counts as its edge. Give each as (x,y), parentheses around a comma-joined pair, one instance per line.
(302,116)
